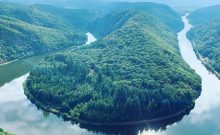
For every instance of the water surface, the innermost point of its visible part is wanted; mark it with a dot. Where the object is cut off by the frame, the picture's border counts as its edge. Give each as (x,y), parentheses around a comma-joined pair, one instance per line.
(20,116)
(204,119)
(90,39)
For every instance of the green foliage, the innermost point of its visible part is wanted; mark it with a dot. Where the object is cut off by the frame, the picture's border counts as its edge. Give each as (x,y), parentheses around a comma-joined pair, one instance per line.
(205,35)
(204,15)
(134,72)
(31,30)
(160,11)
(50,16)
(114,21)
(4,133)
(19,39)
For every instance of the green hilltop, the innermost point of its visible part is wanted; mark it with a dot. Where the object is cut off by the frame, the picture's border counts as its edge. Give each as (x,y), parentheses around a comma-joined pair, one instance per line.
(133,72)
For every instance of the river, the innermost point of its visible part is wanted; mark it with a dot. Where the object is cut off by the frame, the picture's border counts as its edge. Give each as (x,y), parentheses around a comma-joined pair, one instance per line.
(204,118)
(90,39)
(20,116)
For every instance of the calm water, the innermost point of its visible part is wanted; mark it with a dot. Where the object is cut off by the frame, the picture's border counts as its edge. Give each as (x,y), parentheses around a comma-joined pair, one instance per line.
(91,38)
(20,116)
(204,119)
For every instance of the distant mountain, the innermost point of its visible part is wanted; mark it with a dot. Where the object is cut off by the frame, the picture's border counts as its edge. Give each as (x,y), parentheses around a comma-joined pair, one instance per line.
(205,15)
(61,3)
(93,3)
(187,3)
(175,23)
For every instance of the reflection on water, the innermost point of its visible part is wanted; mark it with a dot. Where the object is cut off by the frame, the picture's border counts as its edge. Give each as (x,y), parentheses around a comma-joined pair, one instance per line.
(210,83)
(153,127)
(20,116)
(204,119)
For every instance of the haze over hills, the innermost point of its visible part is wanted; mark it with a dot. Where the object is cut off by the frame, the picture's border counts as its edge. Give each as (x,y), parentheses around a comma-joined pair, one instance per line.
(91,3)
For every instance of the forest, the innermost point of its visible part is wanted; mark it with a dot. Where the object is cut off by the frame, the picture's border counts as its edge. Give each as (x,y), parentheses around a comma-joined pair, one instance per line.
(205,36)
(38,29)
(133,72)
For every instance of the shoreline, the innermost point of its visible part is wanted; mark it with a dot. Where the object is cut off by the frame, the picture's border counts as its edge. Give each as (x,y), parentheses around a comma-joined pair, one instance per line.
(205,62)
(66,116)
(130,123)
(5,63)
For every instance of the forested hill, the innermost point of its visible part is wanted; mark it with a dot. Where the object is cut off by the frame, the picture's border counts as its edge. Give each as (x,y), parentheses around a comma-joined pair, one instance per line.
(50,16)
(205,36)
(115,20)
(134,72)
(37,29)
(164,13)
(204,15)
(19,39)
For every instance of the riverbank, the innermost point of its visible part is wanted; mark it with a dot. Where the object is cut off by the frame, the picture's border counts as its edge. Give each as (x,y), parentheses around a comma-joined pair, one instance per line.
(205,62)
(66,116)
(17,68)
(130,123)
(5,63)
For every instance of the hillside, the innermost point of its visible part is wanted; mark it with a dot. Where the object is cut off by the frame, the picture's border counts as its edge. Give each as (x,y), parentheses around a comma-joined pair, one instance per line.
(50,16)
(204,15)
(205,36)
(19,39)
(115,20)
(133,72)
(36,29)
(159,11)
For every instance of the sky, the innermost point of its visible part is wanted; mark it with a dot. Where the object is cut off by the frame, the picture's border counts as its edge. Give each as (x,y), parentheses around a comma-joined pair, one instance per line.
(173,3)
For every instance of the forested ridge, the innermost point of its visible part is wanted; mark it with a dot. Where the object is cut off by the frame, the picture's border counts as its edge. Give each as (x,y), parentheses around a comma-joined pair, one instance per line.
(164,14)
(133,72)
(205,36)
(36,29)
(19,39)
(160,11)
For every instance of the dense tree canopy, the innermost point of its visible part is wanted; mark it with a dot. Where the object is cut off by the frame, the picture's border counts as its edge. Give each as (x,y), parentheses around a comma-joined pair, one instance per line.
(206,35)
(19,39)
(164,14)
(36,29)
(204,15)
(133,72)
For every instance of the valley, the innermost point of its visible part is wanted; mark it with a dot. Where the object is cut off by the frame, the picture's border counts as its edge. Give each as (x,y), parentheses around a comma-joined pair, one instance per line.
(122,68)
(133,67)
(205,37)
